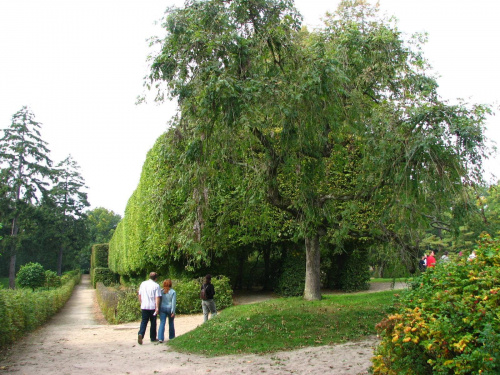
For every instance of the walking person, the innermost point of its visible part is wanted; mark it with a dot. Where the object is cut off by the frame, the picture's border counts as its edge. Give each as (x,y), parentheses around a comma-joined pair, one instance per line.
(149,297)
(431,260)
(207,298)
(422,264)
(167,311)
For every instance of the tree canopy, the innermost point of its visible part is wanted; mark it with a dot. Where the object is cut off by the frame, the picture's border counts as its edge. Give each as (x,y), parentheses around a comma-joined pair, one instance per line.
(338,133)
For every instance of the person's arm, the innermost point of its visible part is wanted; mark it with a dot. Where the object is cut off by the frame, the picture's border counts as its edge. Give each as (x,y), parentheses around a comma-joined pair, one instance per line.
(174,301)
(157,308)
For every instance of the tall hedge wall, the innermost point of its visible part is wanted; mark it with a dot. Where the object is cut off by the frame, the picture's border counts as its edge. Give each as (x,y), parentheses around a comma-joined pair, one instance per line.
(99,256)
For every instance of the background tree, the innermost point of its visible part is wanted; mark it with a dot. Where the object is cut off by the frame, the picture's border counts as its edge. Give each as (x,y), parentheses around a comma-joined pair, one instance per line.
(25,172)
(69,201)
(101,223)
(349,135)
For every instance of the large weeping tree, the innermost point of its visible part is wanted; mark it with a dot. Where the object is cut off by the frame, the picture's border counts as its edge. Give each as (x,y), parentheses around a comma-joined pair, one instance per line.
(349,136)
(25,172)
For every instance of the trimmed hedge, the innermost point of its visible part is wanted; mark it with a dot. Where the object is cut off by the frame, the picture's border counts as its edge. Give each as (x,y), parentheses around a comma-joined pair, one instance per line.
(103,275)
(99,257)
(448,322)
(118,305)
(23,310)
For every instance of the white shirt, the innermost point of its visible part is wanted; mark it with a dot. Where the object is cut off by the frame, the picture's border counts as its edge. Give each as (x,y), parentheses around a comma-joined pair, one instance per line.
(148,291)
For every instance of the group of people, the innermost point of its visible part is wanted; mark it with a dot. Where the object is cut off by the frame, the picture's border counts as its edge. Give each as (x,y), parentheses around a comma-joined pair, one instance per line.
(429,261)
(156,301)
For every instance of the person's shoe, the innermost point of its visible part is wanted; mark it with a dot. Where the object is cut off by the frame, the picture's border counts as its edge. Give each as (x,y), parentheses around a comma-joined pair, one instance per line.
(154,340)
(160,341)
(139,339)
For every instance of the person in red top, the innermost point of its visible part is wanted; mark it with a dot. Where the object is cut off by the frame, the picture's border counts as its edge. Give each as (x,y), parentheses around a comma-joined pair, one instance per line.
(431,260)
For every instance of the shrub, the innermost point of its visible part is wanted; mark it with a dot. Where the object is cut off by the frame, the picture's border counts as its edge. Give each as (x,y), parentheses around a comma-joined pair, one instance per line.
(448,322)
(52,280)
(31,275)
(188,294)
(291,281)
(128,308)
(103,275)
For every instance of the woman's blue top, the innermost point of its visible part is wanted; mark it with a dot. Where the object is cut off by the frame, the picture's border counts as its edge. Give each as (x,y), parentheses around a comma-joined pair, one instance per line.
(168,300)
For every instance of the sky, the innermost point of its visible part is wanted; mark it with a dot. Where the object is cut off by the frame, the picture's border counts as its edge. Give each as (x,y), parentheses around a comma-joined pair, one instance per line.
(80,65)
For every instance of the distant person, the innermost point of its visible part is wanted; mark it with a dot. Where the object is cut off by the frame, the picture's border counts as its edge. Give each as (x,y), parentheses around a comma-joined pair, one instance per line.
(207,298)
(167,310)
(445,257)
(422,263)
(472,255)
(149,297)
(431,260)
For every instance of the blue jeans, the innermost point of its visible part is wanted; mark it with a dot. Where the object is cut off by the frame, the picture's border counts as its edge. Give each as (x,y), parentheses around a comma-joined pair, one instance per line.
(164,314)
(148,316)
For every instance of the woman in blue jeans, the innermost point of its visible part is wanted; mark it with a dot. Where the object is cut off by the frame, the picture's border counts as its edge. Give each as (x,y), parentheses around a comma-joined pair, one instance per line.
(167,310)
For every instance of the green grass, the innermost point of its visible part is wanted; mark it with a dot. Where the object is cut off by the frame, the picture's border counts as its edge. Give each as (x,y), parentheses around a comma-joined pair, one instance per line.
(286,324)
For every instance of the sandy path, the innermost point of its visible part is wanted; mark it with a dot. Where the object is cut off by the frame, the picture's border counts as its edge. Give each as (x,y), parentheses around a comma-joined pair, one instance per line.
(74,342)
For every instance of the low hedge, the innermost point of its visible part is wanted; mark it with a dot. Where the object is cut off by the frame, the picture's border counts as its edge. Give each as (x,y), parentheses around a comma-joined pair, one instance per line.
(23,310)
(120,305)
(449,321)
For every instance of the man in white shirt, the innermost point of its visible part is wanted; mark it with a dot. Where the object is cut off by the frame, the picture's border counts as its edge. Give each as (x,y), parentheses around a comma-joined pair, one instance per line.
(149,297)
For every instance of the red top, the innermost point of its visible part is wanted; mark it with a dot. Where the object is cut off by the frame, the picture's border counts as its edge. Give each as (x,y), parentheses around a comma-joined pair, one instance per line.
(431,261)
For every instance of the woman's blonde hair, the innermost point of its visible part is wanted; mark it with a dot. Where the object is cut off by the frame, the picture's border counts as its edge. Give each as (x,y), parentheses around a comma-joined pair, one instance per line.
(167,284)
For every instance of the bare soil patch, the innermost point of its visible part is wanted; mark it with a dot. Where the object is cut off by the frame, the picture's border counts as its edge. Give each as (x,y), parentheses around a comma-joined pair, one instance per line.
(78,341)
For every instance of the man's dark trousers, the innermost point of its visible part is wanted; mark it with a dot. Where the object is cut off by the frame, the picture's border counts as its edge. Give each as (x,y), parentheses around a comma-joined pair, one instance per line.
(148,315)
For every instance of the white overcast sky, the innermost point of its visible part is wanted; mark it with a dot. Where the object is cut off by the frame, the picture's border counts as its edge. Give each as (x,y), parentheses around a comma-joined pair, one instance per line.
(79,65)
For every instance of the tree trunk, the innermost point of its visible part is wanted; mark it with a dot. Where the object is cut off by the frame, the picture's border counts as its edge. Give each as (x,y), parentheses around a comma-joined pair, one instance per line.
(13,252)
(267,266)
(59,260)
(312,289)
(12,271)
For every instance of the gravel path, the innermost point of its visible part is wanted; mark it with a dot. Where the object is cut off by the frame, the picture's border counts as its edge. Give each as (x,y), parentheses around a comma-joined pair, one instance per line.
(76,341)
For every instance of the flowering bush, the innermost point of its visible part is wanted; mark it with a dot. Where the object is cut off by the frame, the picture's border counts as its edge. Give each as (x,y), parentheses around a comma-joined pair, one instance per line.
(448,322)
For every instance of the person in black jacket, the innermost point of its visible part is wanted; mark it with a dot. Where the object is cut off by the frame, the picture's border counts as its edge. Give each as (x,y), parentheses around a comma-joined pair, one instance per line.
(208,304)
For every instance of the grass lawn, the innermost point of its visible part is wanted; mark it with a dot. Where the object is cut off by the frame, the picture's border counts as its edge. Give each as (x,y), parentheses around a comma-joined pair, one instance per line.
(287,323)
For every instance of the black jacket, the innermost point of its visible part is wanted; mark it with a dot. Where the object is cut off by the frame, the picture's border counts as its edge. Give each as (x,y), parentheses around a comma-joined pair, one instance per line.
(209,290)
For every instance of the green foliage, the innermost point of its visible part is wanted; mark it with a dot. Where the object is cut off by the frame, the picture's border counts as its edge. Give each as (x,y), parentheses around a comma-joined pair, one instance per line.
(118,305)
(287,324)
(127,309)
(355,273)
(31,275)
(188,294)
(52,280)
(23,310)
(99,255)
(292,277)
(103,275)
(448,322)
(283,134)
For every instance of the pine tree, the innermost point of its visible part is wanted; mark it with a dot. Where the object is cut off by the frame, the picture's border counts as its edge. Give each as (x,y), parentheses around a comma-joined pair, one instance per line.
(25,171)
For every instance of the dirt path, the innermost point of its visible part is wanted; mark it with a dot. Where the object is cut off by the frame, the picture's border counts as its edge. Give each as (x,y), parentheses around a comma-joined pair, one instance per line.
(76,342)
